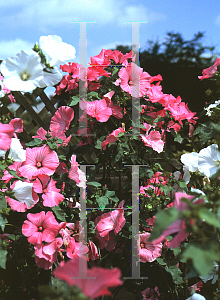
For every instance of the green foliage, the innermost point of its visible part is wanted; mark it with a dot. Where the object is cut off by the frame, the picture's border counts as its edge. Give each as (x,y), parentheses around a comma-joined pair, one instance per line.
(202,255)
(3,255)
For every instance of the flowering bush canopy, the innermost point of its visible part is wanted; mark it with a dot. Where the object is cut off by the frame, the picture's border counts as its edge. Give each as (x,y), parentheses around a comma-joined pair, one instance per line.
(55,217)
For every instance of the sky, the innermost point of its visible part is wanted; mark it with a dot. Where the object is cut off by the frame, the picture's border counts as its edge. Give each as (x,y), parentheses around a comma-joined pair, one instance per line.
(22,22)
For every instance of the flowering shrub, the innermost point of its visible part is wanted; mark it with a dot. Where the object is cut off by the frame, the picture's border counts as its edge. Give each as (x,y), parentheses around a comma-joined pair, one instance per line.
(47,234)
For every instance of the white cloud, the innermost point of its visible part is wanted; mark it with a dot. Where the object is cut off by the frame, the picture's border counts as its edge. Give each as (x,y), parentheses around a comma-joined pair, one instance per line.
(54,14)
(12,47)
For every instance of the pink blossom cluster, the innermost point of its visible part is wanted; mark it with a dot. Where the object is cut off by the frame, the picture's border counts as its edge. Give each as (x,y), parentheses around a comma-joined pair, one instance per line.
(153,183)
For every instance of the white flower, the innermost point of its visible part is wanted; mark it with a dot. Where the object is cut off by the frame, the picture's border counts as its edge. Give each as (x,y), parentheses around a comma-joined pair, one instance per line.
(190,164)
(22,72)
(209,108)
(52,77)
(17,153)
(56,51)
(2,153)
(23,192)
(209,160)
(196,296)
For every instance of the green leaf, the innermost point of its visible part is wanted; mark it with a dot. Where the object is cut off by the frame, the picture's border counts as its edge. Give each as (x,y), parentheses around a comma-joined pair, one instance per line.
(98,145)
(59,141)
(178,139)
(74,101)
(3,165)
(51,145)
(209,217)
(116,69)
(3,203)
(3,256)
(111,196)
(202,256)
(60,214)
(35,142)
(120,134)
(14,173)
(102,201)
(63,157)
(163,219)
(3,221)
(176,274)
(94,183)
(183,185)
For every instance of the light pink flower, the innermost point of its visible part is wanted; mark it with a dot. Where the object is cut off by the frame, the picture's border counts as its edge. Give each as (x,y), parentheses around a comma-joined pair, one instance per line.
(113,220)
(134,80)
(76,174)
(147,251)
(98,283)
(40,227)
(6,134)
(51,194)
(153,139)
(97,109)
(39,160)
(62,119)
(112,137)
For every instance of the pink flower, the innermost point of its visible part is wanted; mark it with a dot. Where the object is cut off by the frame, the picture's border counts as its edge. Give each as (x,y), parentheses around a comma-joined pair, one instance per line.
(113,220)
(40,227)
(51,195)
(93,251)
(75,249)
(18,125)
(209,72)
(134,80)
(147,251)
(76,174)
(96,285)
(46,254)
(39,160)
(6,134)
(179,225)
(112,137)
(62,119)
(97,109)
(153,139)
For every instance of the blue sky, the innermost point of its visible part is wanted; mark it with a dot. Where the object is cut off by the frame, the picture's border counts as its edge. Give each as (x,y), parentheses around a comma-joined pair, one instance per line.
(22,22)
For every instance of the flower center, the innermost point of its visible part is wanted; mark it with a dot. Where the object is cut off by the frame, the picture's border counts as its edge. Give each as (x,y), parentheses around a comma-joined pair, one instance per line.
(217,163)
(142,245)
(130,82)
(25,76)
(40,228)
(38,164)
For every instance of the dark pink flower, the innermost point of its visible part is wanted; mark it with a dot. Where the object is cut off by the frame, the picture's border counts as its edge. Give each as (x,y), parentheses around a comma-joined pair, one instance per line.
(40,227)
(51,194)
(6,134)
(93,251)
(147,251)
(150,294)
(209,72)
(75,249)
(98,283)
(112,137)
(17,124)
(179,225)
(46,254)
(39,160)
(62,119)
